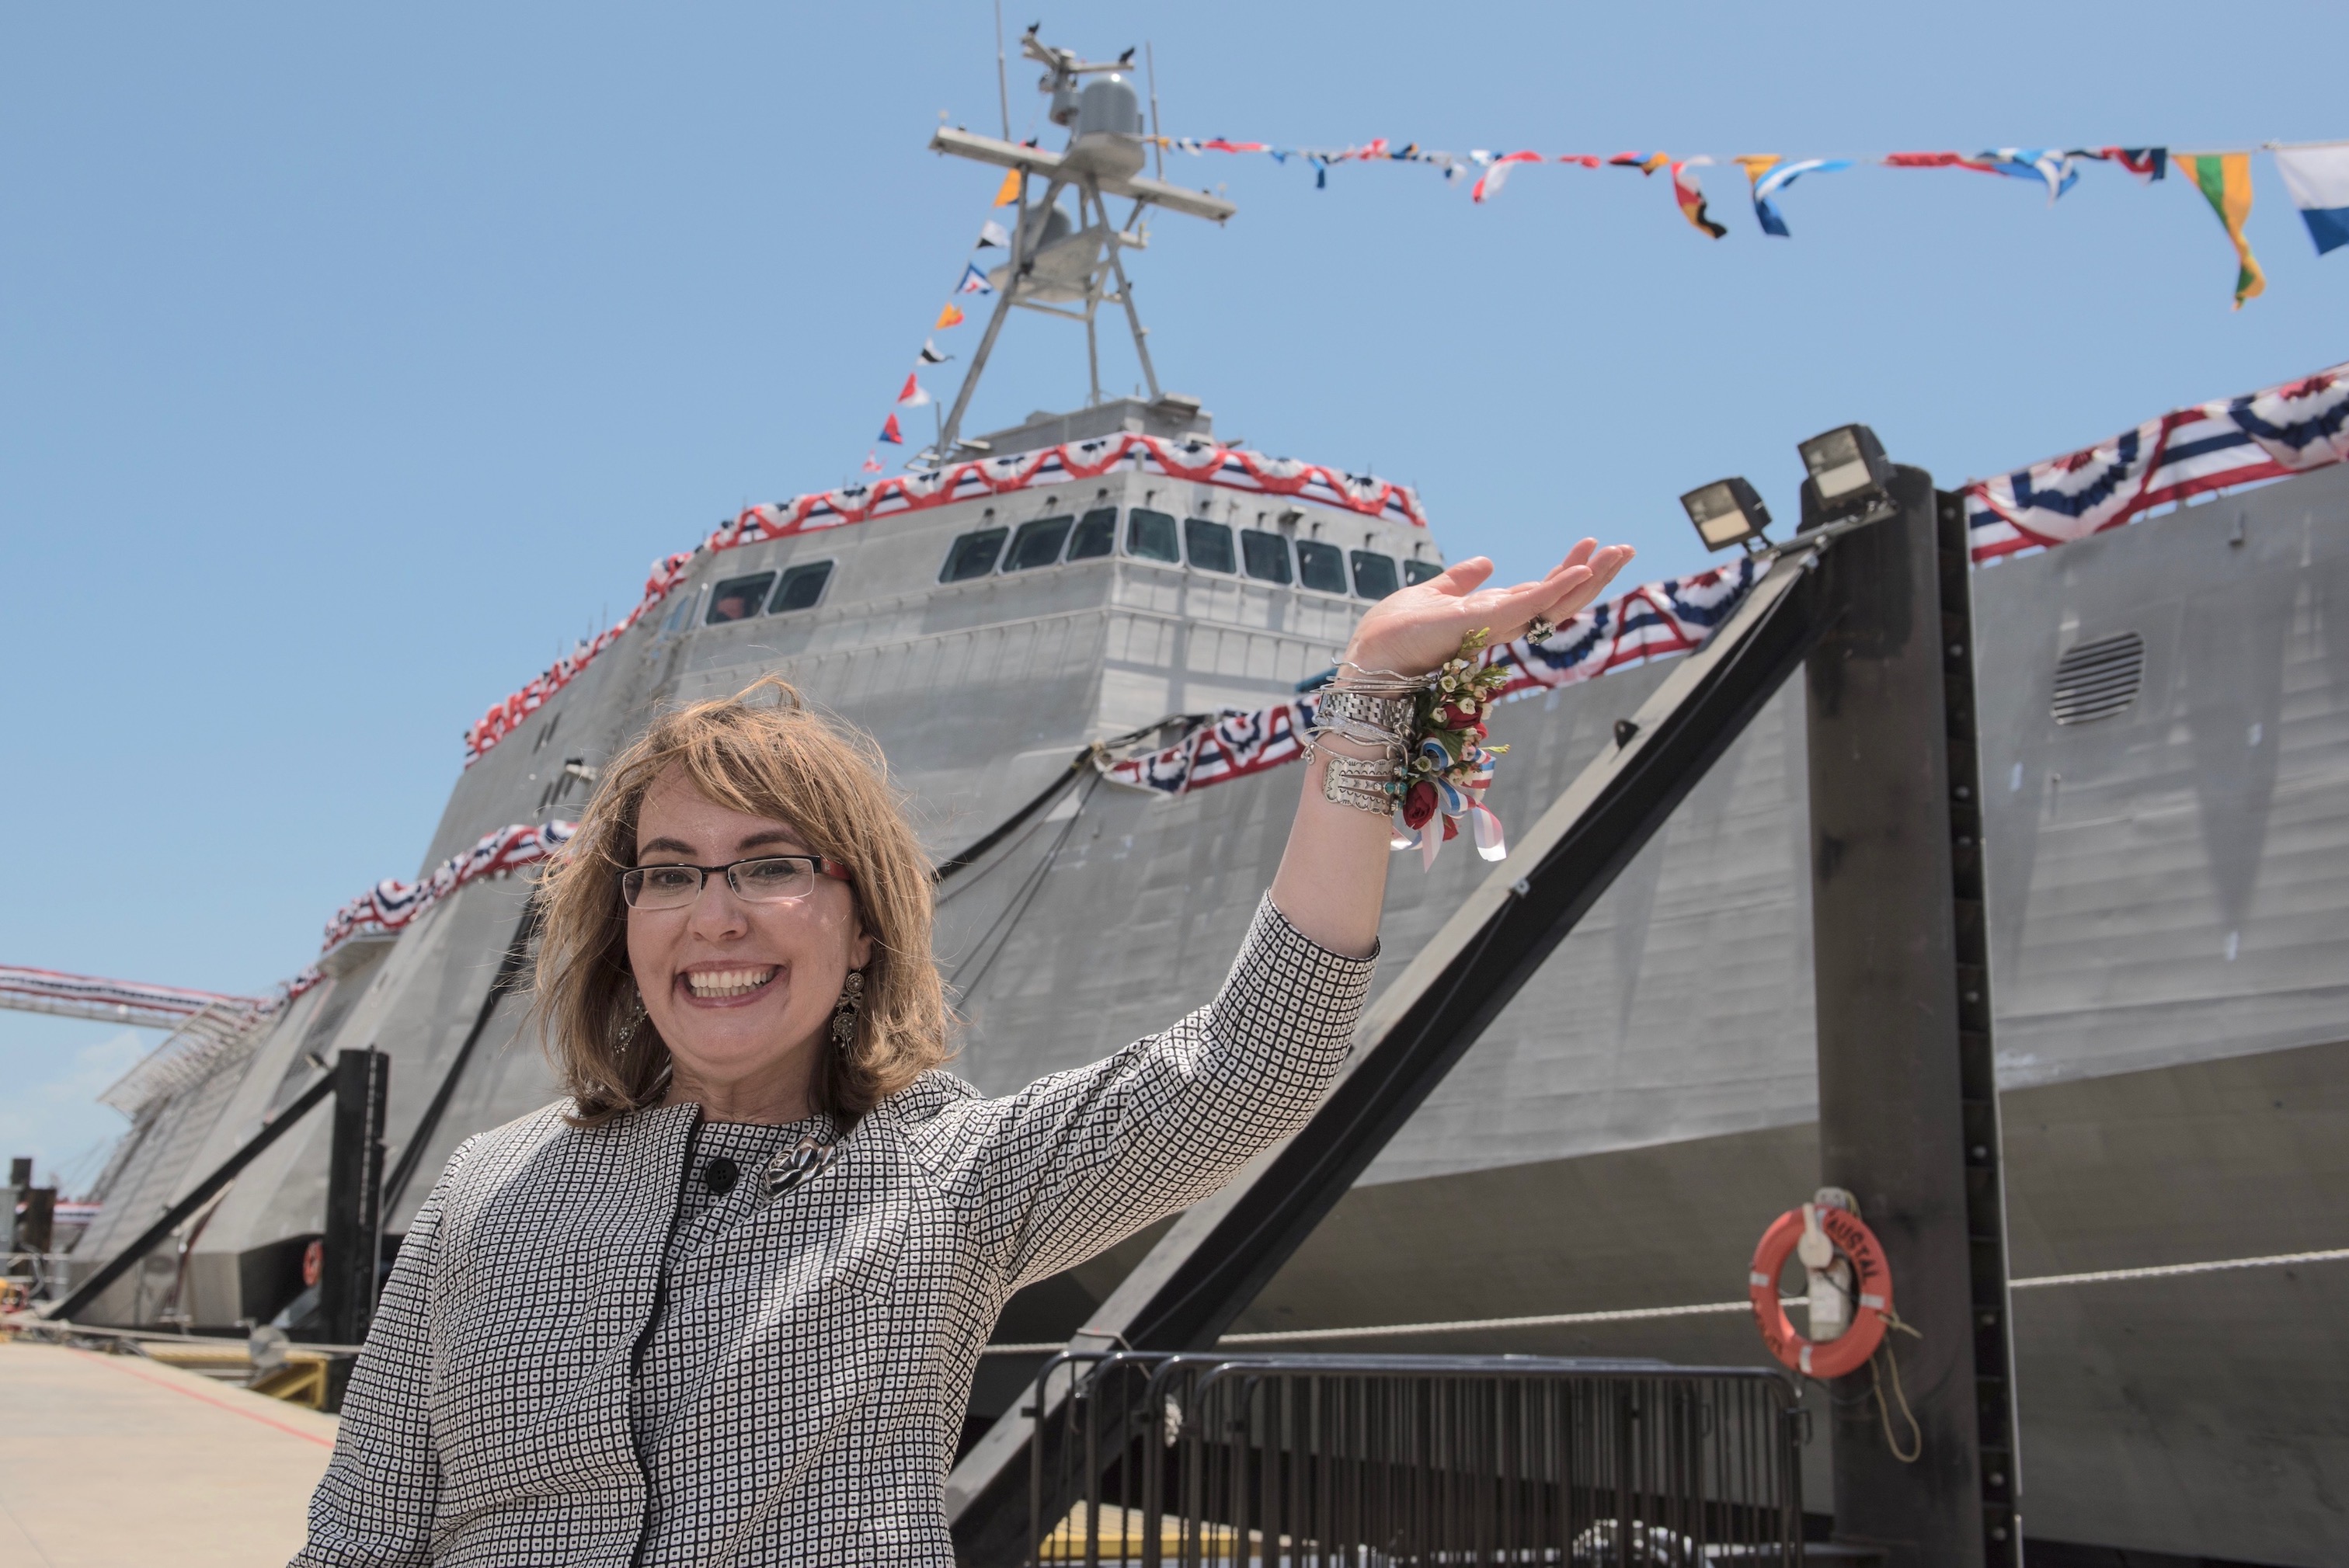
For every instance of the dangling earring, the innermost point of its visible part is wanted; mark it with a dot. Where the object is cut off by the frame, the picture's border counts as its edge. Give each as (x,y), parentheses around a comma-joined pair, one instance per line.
(636,1020)
(844,1012)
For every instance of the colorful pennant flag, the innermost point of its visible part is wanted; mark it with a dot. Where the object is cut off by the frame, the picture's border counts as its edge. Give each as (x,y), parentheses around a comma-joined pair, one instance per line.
(949,316)
(992,235)
(973,281)
(2147,163)
(2225,181)
(1690,196)
(913,397)
(1489,183)
(2055,169)
(1645,163)
(1010,190)
(2318,179)
(1928,160)
(872,463)
(930,354)
(1770,177)
(890,434)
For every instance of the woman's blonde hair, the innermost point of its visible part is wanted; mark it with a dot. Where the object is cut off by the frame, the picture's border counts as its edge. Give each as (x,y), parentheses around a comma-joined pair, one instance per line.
(779,759)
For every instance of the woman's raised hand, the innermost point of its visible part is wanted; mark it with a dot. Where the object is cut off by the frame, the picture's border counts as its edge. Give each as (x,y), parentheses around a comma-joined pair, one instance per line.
(1417,628)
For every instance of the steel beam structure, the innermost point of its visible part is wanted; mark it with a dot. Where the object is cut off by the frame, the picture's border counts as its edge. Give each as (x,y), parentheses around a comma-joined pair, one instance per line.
(195,1198)
(1907,1107)
(354,1242)
(1216,1258)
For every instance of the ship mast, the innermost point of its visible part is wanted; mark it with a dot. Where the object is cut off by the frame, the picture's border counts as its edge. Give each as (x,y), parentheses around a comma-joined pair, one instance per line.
(1057,267)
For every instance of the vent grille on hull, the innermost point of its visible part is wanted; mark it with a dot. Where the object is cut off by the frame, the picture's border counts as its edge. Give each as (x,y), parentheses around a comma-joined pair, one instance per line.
(2096,680)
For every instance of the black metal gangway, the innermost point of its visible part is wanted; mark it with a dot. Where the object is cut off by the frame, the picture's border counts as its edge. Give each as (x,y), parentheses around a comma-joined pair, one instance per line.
(1215,1461)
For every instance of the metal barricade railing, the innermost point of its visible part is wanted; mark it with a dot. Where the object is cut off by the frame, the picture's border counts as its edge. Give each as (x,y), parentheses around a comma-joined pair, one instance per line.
(35,1276)
(1213,1460)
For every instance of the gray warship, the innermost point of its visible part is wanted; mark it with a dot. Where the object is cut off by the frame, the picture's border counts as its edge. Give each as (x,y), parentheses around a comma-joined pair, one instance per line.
(2164,714)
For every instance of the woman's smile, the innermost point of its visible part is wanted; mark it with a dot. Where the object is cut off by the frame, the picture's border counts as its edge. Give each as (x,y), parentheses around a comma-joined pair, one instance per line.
(731,986)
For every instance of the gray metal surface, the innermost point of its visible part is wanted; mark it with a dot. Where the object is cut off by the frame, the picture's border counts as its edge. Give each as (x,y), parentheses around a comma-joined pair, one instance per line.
(2172,882)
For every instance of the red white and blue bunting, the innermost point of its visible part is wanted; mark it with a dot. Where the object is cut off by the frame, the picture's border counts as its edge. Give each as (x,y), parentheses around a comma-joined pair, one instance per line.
(1199,462)
(391,906)
(1655,620)
(2268,434)
(130,1001)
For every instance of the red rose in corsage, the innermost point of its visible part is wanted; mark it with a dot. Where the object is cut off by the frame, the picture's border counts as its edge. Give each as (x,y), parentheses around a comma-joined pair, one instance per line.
(1447,761)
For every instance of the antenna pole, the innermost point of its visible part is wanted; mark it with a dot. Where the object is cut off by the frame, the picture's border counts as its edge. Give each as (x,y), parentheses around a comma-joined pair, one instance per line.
(1002,84)
(1149,66)
(1024,257)
(1125,298)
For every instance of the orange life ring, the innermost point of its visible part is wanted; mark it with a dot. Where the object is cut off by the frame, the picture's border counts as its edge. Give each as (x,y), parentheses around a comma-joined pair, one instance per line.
(1872,1286)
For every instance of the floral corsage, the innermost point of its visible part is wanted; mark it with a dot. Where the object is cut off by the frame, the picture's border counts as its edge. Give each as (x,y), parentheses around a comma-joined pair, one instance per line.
(1447,767)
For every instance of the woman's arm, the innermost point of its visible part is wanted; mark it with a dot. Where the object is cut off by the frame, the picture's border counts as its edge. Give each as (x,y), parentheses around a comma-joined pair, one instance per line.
(1333,876)
(1080,1160)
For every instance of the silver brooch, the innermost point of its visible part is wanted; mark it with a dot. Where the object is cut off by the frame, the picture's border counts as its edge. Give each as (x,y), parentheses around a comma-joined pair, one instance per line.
(800,1163)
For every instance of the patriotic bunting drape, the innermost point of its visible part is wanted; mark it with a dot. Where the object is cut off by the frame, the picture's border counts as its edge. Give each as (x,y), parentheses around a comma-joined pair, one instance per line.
(1655,620)
(391,906)
(2286,429)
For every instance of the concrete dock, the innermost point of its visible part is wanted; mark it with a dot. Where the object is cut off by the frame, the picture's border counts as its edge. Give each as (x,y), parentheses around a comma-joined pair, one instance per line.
(117,1461)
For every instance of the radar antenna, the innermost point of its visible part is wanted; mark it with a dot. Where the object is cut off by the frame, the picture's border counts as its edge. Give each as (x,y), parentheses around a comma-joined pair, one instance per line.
(1059,266)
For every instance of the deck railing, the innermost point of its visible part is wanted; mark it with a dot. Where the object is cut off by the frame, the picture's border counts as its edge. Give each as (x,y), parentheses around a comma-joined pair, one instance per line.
(1215,1461)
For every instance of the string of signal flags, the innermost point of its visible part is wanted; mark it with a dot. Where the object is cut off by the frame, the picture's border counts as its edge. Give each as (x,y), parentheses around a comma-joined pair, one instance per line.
(2315,176)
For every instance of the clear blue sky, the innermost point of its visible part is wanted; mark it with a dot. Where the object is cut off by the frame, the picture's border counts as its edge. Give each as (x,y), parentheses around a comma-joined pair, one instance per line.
(353,362)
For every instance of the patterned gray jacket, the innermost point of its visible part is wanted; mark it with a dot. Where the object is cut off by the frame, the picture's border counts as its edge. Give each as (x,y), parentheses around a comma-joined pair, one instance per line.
(489,1420)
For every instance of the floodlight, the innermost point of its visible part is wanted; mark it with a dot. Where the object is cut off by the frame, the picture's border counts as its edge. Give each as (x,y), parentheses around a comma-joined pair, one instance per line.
(1849,472)
(1726,512)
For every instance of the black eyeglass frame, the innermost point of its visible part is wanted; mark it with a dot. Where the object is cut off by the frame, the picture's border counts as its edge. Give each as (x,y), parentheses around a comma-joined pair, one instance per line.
(824,868)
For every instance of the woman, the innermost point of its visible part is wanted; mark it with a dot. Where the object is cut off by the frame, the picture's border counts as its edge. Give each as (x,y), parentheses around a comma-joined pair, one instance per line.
(724,1302)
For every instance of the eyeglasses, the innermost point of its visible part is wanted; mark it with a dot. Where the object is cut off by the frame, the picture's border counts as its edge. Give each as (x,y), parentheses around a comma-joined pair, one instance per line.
(771,879)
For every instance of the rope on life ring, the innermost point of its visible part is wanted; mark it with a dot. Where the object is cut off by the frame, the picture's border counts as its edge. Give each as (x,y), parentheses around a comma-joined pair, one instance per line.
(1871,1290)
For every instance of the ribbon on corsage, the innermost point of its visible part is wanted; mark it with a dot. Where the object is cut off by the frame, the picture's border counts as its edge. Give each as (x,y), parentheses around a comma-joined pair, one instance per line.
(1449,766)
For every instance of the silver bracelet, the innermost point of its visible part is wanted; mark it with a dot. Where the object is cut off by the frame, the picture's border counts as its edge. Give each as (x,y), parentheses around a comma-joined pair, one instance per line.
(1377,680)
(1346,710)
(1367,784)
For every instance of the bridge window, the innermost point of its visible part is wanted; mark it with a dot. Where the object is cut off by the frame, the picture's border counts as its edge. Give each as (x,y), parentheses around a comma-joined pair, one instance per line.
(738,598)
(973,555)
(1265,554)
(1210,543)
(802,586)
(1321,567)
(1374,574)
(1151,535)
(1418,571)
(1096,534)
(1037,544)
